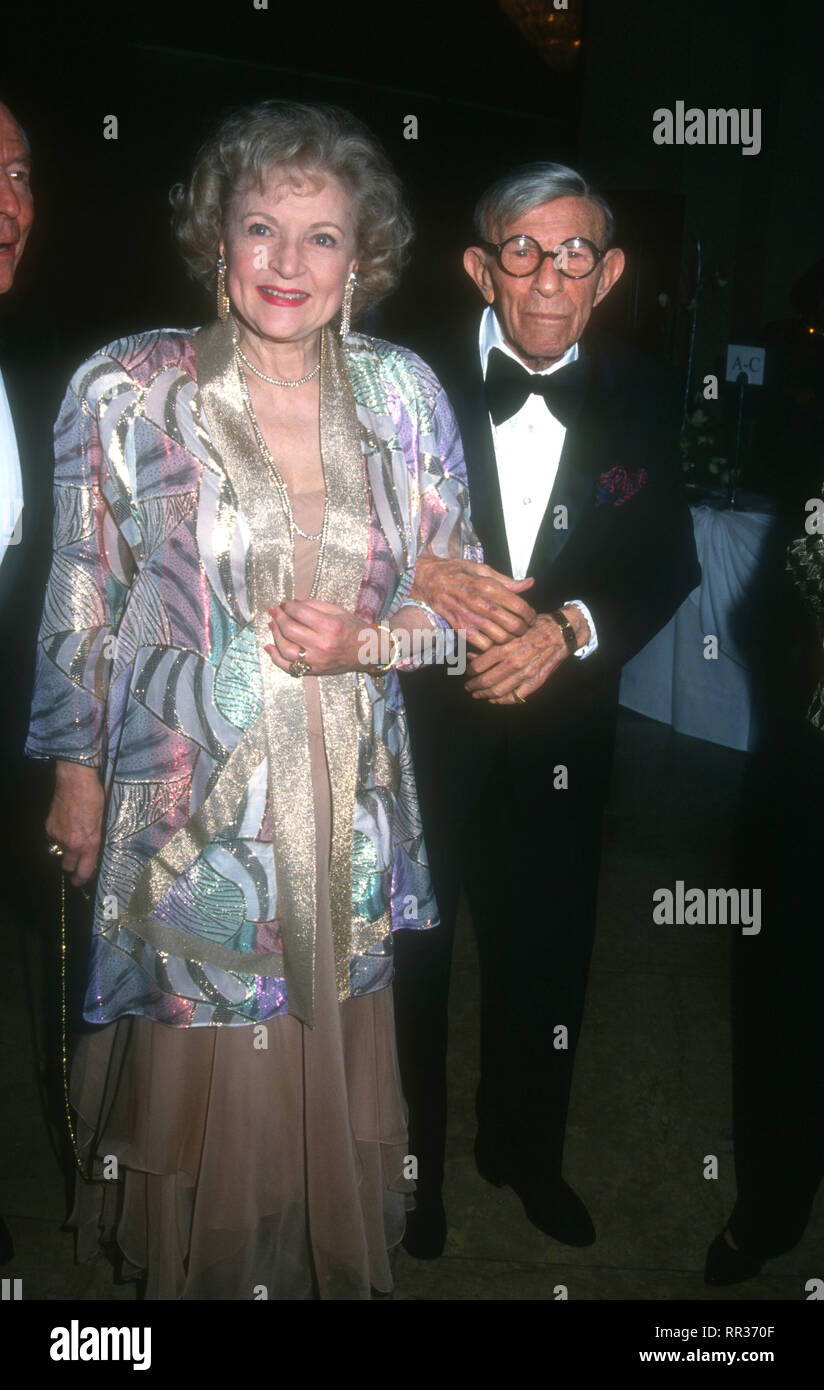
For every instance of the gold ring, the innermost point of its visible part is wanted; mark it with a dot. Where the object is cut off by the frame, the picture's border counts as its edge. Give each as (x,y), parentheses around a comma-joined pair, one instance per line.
(55,849)
(300,666)
(519,698)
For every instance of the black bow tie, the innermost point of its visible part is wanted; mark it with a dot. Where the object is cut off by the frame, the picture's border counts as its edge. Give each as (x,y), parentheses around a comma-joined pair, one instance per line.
(508,385)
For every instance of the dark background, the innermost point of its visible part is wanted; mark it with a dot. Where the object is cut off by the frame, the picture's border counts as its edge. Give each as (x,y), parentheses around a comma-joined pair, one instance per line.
(486,96)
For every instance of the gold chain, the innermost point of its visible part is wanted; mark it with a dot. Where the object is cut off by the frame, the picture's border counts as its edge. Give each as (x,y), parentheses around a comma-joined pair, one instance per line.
(64,1051)
(283,491)
(273,380)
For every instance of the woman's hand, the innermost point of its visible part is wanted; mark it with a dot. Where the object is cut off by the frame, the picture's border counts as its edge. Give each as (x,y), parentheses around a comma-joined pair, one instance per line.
(329,637)
(75,819)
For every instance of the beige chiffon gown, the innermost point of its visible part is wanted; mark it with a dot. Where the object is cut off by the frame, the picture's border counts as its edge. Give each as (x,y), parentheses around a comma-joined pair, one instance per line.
(244,1171)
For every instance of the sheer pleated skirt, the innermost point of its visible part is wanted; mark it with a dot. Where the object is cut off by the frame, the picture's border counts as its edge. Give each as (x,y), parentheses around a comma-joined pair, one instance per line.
(243,1171)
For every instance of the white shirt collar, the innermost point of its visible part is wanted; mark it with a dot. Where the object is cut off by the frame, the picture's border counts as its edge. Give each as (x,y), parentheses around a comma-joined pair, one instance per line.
(11,481)
(490,336)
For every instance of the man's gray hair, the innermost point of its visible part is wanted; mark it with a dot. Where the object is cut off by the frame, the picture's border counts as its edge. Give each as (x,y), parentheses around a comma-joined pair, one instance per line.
(529,186)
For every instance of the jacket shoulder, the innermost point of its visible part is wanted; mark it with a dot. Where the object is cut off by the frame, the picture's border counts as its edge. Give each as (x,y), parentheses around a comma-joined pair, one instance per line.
(134,360)
(373,361)
(625,368)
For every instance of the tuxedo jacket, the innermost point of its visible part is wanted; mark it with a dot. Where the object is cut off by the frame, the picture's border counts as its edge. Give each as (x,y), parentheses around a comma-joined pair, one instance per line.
(616,534)
(28,364)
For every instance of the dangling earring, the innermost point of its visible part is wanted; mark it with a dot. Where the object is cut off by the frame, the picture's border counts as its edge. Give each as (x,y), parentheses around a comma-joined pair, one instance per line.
(346,311)
(222,296)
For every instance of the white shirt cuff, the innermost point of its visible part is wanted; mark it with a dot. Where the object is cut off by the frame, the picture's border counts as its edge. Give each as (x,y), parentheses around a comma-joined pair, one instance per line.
(592,644)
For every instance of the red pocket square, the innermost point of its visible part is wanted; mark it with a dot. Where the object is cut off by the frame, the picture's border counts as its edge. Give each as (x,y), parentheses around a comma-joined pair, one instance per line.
(618,485)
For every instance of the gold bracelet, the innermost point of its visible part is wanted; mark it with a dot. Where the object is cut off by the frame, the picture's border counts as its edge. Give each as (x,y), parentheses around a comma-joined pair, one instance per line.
(381,668)
(567,630)
(424,607)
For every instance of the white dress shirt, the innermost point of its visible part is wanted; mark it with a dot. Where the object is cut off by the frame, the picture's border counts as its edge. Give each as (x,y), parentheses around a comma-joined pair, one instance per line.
(11,479)
(527,452)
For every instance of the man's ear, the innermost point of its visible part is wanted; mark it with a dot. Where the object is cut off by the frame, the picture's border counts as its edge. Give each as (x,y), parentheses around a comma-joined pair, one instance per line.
(476,265)
(612,270)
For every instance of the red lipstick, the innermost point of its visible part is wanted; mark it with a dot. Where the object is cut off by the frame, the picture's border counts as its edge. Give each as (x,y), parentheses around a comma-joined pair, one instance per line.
(281,297)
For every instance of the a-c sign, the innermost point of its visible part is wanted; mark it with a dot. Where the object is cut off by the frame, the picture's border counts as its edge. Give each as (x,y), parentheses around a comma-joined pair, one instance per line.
(749,360)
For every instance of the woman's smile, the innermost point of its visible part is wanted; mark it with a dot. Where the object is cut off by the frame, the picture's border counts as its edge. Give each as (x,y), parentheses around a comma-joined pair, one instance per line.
(275,294)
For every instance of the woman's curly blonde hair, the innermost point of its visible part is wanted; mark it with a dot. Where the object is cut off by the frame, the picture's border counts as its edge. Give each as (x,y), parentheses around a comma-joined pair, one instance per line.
(299,140)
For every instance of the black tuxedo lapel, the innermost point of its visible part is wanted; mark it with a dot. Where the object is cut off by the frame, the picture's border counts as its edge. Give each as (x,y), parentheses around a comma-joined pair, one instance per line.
(465,388)
(13,565)
(574,484)
(27,361)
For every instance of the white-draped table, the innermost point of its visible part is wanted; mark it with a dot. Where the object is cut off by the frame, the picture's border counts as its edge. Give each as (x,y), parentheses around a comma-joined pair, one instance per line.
(675,678)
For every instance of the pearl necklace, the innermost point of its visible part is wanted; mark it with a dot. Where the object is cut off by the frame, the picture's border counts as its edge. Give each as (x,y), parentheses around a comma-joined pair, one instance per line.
(272,380)
(283,491)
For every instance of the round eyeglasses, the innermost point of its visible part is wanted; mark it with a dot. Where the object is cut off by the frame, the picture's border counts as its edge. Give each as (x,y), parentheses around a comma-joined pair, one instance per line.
(523,255)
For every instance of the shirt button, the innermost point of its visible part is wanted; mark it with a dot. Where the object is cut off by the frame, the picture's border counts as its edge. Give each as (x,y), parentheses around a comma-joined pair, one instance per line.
(527,501)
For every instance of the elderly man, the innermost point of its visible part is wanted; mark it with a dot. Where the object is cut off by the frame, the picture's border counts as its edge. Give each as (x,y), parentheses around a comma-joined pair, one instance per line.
(27,401)
(16,217)
(573,466)
(26,413)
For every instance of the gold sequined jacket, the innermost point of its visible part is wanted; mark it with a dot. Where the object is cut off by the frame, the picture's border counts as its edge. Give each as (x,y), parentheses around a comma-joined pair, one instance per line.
(169,544)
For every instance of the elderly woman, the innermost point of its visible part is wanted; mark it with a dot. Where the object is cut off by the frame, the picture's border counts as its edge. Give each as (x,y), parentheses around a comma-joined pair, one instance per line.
(239,513)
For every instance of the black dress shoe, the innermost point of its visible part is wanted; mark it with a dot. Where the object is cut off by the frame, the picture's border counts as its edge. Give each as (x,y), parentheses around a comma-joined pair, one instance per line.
(557,1210)
(727,1266)
(425,1234)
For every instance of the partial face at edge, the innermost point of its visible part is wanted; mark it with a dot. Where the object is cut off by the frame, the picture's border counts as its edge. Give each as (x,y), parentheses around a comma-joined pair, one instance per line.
(543,314)
(16,201)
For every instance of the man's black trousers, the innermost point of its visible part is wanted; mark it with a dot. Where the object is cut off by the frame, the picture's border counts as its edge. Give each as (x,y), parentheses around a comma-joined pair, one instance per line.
(515,821)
